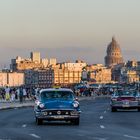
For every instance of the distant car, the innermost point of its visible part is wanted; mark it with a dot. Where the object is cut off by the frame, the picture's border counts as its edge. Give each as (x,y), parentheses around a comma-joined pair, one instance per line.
(96,86)
(125,100)
(57,104)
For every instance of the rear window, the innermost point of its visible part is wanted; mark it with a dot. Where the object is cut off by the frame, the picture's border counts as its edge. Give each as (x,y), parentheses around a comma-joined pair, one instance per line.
(125,93)
(64,95)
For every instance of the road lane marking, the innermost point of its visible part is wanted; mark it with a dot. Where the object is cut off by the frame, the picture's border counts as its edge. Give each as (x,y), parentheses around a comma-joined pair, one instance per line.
(101,117)
(102,126)
(132,137)
(97,138)
(104,112)
(35,136)
(24,125)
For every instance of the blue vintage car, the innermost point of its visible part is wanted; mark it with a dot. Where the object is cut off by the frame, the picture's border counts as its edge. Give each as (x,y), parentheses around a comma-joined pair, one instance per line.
(57,104)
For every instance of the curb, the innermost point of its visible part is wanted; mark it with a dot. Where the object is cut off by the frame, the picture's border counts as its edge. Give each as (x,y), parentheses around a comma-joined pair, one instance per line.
(15,107)
(32,104)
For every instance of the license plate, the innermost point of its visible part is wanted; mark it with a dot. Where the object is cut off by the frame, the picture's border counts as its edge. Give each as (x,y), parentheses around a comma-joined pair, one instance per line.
(58,117)
(126,105)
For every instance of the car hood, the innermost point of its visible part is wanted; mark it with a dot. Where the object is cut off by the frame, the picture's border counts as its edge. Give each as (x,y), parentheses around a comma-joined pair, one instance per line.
(58,104)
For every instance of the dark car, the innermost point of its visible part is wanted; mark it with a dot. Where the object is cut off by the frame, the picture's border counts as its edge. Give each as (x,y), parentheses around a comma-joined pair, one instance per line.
(122,99)
(57,104)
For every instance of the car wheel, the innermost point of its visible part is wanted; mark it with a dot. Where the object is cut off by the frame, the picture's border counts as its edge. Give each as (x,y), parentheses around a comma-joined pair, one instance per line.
(113,109)
(138,109)
(39,121)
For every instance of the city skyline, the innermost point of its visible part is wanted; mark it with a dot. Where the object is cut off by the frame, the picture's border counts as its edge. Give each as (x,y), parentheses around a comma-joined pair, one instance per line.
(68,30)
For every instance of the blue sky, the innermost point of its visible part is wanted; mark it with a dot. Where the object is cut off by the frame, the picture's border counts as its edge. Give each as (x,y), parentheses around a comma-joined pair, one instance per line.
(68,29)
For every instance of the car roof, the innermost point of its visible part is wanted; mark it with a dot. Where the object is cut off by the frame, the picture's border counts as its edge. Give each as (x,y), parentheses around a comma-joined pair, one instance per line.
(56,89)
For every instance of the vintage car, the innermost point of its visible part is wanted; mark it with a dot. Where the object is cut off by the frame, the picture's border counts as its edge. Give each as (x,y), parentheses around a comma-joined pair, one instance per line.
(57,104)
(125,99)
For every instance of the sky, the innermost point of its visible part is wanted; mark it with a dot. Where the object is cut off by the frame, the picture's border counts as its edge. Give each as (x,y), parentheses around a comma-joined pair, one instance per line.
(68,29)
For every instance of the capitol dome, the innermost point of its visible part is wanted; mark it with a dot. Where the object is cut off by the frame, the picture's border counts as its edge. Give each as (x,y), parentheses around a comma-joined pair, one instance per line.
(114,55)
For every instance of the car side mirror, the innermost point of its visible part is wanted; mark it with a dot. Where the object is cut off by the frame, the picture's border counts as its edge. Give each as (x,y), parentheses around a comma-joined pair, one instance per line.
(76,99)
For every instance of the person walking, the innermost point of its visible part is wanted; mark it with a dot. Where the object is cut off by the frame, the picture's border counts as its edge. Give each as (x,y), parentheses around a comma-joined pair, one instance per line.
(12,95)
(21,95)
(7,93)
(24,94)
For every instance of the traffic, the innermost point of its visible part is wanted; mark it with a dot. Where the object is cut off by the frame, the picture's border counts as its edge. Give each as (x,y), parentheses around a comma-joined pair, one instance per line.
(86,116)
(61,104)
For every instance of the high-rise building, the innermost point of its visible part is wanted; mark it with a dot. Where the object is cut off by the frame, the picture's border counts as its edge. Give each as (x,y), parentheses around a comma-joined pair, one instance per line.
(114,55)
(35,57)
(52,61)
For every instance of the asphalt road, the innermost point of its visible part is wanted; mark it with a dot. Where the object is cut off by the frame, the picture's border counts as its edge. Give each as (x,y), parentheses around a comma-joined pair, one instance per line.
(97,123)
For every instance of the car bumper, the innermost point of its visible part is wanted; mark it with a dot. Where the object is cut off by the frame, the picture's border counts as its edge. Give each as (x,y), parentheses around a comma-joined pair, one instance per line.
(43,116)
(55,117)
(125,107)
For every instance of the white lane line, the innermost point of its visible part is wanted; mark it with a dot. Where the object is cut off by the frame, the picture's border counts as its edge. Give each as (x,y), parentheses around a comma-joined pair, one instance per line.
(132,137)
(35,136)
(96,138)
(102,126)
(104,112)
(101,117)
(24,125)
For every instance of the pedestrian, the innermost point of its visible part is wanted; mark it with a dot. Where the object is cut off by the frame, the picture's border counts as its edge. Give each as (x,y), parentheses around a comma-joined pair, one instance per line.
(21,95)
(7,93)
(12,95)
(17,93)
(24,94)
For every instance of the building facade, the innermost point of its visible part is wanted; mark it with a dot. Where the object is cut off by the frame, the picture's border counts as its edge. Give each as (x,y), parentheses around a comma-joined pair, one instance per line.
(49,77)
(97,73)
(11,79)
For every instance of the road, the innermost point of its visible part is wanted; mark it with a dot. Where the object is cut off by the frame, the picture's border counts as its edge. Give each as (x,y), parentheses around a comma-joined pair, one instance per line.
(97,123)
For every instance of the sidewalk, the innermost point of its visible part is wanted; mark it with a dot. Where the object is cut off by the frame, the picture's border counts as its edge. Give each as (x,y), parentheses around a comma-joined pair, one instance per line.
(10,105)
(29,103)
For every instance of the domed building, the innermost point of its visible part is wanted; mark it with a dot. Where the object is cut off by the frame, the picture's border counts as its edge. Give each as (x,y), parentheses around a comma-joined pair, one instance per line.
(114,55)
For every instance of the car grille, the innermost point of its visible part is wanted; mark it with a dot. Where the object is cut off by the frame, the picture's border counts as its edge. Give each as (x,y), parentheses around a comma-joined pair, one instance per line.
(58,112)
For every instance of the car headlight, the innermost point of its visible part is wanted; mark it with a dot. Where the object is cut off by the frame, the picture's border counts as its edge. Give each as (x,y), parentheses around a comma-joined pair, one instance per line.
(41,105)
(75,104)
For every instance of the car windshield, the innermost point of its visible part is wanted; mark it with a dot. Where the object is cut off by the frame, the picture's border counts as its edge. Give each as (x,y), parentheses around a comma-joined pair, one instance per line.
(64,95)
(125,93)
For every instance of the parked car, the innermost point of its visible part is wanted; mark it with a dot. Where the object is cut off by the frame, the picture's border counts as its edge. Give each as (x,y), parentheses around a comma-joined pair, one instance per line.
(122,99)
(57,104)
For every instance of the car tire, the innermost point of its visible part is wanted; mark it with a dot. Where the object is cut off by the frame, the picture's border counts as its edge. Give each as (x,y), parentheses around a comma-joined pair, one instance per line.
(39,121)
(138,109)
(113,109)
